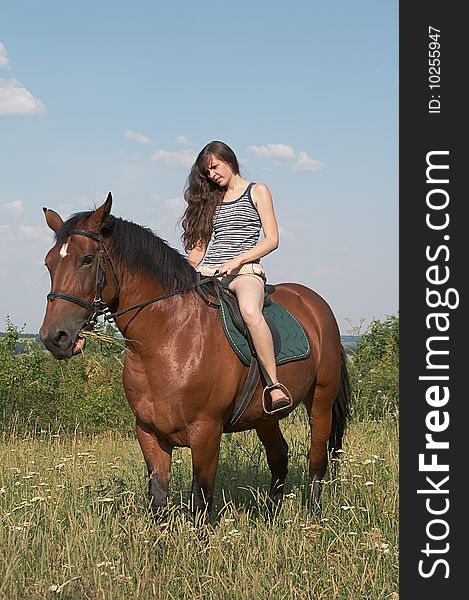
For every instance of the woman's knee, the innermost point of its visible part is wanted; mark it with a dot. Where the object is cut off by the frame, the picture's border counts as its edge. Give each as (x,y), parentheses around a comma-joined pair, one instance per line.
(251,313)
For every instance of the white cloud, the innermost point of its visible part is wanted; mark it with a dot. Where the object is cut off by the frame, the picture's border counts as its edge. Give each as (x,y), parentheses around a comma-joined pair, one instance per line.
(274,151)
(15,207)
(135,136)
(182,140)
(183,158)
(34,232)
(287,156)
(306,163)
(4,62)
(17,100)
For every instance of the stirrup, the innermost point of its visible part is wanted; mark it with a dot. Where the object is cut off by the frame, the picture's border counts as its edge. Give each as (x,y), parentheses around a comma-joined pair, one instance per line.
(282,404)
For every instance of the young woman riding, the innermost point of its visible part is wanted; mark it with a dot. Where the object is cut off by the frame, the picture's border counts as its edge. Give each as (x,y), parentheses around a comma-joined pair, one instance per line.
(222,223)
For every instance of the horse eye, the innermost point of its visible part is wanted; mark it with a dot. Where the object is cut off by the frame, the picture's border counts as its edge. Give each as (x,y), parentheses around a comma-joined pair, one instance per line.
(87,260)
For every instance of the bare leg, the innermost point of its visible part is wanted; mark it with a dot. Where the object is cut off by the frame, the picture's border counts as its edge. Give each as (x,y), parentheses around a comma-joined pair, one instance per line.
(250,293)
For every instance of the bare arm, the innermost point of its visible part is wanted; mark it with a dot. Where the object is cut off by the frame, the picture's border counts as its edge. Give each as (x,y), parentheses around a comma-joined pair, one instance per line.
(196,254)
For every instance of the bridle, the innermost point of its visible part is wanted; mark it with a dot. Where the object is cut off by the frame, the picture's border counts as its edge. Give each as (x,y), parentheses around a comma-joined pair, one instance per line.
(98,308)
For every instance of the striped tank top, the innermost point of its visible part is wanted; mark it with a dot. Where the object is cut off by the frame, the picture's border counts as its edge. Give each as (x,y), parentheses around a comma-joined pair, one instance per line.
(236,229)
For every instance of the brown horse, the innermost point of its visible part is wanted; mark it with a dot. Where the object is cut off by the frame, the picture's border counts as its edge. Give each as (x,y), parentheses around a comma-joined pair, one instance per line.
(181,377)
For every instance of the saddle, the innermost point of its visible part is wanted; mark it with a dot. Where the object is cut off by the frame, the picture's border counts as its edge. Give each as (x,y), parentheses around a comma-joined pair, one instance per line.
(290,340)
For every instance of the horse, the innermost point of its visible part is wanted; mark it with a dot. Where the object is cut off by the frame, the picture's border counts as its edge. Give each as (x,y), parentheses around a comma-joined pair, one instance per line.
(180,375)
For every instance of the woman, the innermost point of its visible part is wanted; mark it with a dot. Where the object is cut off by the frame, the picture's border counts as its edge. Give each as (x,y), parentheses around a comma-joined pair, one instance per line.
(222,225)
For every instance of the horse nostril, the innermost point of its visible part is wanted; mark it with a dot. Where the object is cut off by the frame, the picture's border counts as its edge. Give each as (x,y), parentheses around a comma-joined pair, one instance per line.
(61,339)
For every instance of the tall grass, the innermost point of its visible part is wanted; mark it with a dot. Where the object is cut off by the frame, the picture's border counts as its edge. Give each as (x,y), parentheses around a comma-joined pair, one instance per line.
(75,522)
(73,493)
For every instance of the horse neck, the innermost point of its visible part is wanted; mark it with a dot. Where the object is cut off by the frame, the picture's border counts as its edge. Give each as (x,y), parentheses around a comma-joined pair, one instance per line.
(139,287)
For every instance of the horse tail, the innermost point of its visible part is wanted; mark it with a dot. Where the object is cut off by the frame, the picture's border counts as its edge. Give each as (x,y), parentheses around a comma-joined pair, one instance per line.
(341,407)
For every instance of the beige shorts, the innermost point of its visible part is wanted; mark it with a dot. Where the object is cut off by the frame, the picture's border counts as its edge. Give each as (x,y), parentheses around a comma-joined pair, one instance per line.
(254,269)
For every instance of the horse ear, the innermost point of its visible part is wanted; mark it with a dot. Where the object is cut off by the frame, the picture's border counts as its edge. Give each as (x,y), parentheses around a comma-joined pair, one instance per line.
(53,219)
(99,217)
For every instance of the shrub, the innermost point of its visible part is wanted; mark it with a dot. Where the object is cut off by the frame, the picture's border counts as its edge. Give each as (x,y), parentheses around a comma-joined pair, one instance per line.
(40,392)
(374,370)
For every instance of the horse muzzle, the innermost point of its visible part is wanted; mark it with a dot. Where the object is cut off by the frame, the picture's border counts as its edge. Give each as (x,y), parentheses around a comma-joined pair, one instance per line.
(62,343)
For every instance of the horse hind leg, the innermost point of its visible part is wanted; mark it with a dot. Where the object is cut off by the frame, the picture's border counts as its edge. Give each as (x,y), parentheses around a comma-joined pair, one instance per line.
(319,410)
(328,407)
(276,449)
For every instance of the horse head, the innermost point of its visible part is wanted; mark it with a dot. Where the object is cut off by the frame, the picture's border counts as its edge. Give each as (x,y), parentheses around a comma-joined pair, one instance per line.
(79,287)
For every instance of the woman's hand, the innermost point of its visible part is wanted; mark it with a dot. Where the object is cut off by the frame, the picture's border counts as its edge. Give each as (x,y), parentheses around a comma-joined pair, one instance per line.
(231,265)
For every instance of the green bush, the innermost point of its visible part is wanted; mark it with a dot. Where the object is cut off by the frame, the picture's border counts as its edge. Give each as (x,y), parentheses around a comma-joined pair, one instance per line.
(374,370)
(40,392)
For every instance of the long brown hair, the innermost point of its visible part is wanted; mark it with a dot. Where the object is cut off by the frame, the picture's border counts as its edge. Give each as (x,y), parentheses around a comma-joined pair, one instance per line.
(203,195)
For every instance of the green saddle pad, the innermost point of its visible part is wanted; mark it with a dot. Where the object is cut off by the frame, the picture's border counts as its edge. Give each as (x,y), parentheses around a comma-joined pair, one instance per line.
(294,345)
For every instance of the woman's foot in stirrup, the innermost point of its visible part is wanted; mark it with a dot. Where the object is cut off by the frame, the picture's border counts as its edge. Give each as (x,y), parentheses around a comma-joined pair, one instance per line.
(279,399)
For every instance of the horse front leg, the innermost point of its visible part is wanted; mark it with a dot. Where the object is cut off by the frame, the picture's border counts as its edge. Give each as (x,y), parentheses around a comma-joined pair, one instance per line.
(205,448)
(276,449)
(157,454)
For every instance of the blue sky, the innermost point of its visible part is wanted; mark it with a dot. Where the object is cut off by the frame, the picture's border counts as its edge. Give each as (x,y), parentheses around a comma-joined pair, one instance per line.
(119,96)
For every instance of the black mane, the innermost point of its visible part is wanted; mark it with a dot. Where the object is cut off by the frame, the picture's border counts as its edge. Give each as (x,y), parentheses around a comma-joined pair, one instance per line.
(139,249)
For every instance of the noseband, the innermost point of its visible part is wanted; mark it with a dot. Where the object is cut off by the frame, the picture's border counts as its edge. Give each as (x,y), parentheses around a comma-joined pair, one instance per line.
(97,307)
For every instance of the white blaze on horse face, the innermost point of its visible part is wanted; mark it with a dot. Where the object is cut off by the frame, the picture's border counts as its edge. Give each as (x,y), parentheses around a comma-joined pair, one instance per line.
(63,250)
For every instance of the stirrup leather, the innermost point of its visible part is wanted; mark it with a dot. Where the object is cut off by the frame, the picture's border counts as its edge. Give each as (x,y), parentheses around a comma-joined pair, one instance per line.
(267,390)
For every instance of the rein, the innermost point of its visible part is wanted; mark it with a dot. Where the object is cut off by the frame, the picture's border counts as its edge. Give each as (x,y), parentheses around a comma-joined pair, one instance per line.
(98,308)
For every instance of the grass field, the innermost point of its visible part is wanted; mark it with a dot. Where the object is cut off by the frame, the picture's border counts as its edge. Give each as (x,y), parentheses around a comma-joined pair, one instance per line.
(75,525)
